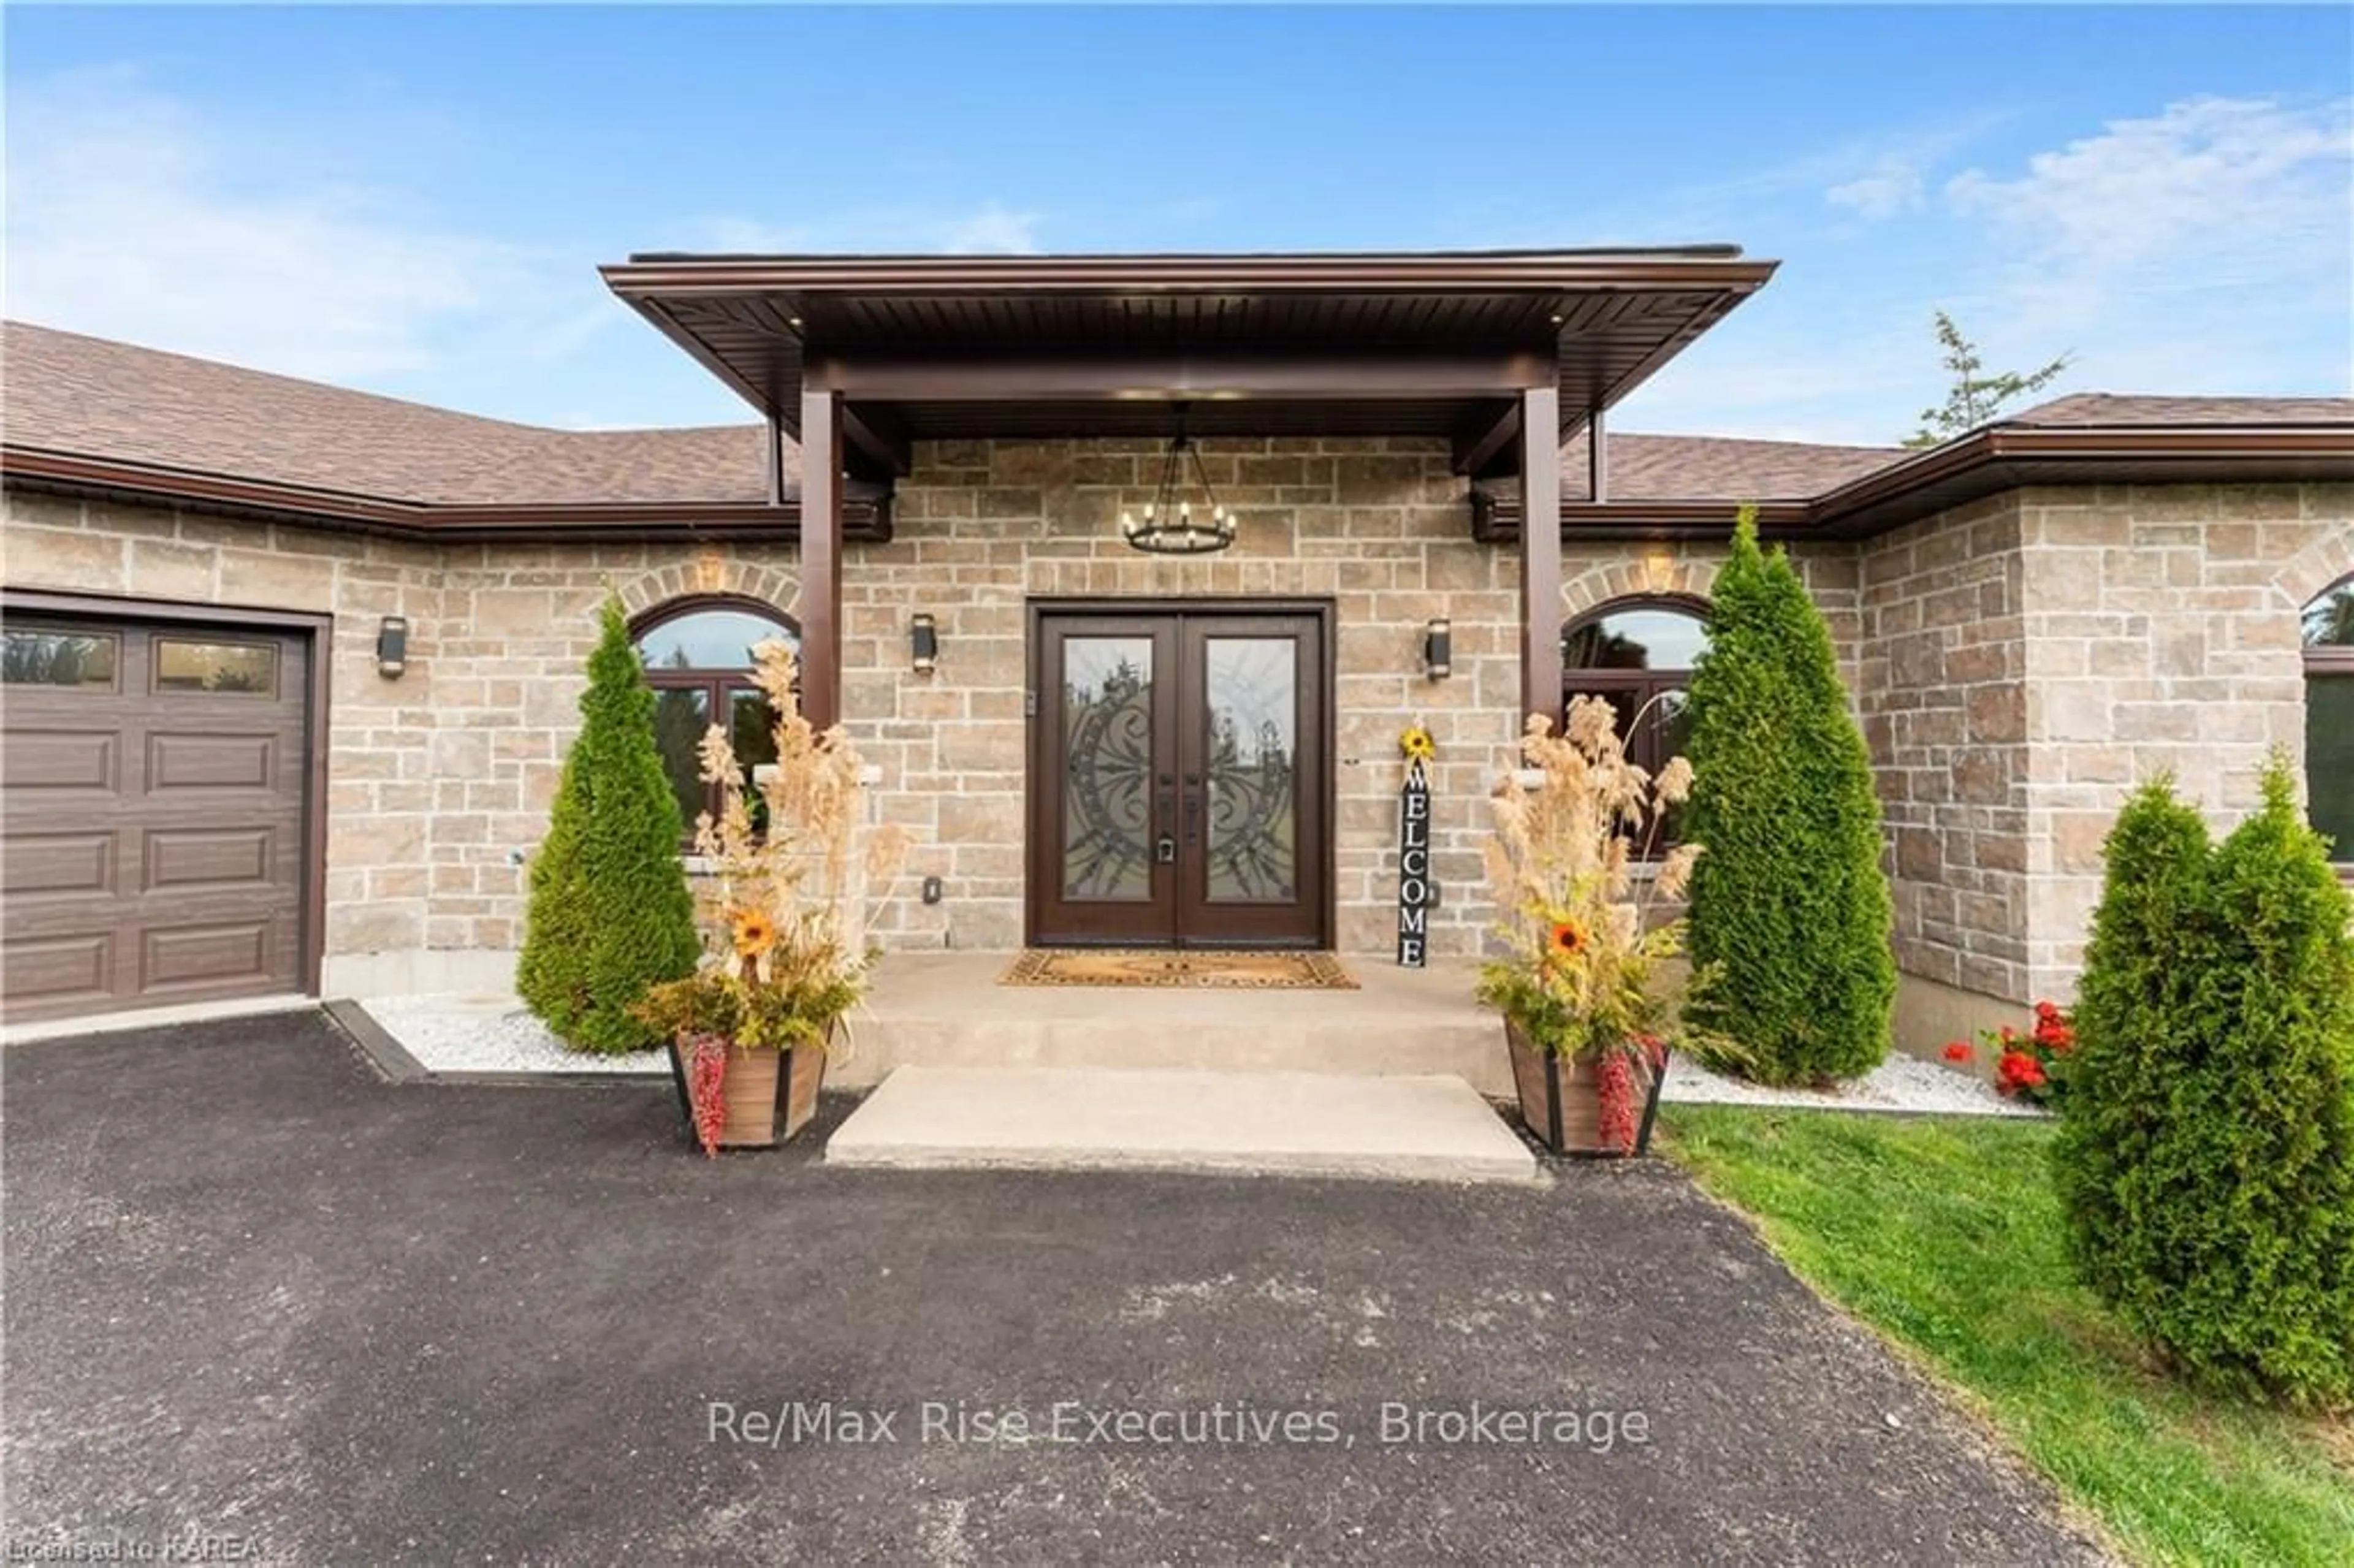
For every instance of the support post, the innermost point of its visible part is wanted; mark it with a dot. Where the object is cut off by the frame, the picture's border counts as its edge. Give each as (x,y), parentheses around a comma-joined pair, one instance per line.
(1540,440)
(821,597)
(1598,458)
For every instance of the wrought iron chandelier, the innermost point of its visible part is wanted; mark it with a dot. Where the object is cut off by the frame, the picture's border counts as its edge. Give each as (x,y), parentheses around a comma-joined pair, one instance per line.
(1169,526)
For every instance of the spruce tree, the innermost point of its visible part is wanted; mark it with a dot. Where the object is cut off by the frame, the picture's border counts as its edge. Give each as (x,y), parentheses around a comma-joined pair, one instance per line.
(610,914)
(2205,1160)
(1790,909)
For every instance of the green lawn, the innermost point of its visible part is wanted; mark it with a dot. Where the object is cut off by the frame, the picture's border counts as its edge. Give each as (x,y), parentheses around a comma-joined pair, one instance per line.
(1942,1232)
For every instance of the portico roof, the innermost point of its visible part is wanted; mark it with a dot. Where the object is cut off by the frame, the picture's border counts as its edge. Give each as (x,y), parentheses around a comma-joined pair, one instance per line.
(1432,343)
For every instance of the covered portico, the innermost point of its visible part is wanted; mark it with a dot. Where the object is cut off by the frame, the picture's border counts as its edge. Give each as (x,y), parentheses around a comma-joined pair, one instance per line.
(1506,356)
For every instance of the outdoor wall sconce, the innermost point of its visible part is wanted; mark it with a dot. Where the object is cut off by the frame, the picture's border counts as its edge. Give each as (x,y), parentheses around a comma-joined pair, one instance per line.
(392,646)
(1439,650)
(924,642)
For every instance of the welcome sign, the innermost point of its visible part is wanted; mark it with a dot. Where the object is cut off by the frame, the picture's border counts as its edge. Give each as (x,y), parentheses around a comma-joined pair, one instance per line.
(1414,868)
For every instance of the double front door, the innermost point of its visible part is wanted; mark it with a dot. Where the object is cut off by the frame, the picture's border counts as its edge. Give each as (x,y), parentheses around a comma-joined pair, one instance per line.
(1179,794)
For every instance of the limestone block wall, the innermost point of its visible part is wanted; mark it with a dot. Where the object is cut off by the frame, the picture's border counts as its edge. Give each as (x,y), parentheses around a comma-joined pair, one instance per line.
(2161,634)
(1942,690)
(382,786)
(519,622)
(2029,658)
(2018,665)
(1378,526)
(439,780)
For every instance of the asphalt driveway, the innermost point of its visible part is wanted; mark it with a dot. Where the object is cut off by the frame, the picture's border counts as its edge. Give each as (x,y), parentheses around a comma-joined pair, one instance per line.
(260,1302)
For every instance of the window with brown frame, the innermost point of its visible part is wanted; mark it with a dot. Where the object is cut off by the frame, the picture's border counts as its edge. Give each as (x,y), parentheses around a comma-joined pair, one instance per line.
(1637,655)
(2327,625)
(698,658)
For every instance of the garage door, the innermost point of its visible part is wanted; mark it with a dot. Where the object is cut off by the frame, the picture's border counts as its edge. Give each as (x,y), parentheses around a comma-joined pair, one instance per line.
(153,780)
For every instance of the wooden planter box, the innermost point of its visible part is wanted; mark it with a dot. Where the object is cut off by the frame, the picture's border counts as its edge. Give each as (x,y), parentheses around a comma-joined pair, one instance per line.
(1562,1103)
(770,1094)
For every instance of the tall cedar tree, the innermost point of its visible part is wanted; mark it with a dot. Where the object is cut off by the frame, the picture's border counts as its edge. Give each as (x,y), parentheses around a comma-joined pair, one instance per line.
(1790,909)
(610,913)
(2205,1159)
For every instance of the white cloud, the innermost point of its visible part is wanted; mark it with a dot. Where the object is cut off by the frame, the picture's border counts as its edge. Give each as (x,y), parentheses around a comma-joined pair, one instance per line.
(2211,193)
(1892,188)
(2205,249)
(131,216)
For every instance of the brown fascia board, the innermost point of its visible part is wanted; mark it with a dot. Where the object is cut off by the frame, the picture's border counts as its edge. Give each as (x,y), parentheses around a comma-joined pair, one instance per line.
(866,518)
(2004,457)
(1698,268)
(2001,457)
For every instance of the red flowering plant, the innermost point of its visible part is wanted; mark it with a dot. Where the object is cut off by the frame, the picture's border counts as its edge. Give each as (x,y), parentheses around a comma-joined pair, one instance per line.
(2028,1066)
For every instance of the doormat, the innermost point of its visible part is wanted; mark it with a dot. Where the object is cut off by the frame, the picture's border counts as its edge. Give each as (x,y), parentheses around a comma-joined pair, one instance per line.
(1199,969)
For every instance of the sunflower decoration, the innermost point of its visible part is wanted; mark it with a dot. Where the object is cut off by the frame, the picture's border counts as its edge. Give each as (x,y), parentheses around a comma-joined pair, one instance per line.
(1567,941)
(753,931)
(1414,741)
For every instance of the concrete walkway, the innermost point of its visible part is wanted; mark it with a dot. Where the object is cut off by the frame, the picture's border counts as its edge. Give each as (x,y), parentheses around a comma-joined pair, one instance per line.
(255,1292)
(947,1010)
(1296,1124)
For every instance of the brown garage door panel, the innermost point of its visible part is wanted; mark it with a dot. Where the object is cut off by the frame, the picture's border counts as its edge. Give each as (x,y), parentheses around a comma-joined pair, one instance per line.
(157,821)
(210,857)
(210,761)
(60,759)
(57,973)
(204,956)
(35,864)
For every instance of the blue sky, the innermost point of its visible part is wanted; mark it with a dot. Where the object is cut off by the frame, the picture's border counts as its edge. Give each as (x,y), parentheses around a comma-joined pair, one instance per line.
(413,200)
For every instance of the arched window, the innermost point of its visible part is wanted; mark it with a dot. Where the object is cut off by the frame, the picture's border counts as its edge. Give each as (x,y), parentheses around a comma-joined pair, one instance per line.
(698,659)
(2328,626)
(1637,654)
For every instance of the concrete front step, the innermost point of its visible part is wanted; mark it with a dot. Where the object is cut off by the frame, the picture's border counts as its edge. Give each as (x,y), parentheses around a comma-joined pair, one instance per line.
(1423,1127)
(948,1009)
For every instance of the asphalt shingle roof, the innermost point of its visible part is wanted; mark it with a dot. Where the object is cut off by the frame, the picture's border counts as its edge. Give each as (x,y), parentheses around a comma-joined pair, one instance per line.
(95,398)
(2120,408)
(88,397)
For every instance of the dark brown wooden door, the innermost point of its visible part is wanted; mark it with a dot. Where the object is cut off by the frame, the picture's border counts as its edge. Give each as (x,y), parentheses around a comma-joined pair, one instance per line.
(155,807)
(1179,784)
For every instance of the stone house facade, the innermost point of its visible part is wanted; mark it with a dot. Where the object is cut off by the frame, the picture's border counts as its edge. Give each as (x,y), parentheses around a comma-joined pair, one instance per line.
(2020,653)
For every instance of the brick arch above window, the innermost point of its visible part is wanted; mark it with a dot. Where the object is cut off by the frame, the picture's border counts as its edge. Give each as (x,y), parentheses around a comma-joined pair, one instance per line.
(2325,564)
(770,589)
(1657,577)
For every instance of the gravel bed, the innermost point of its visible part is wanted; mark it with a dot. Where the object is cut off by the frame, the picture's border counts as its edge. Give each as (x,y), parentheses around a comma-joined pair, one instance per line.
(1901,1083)
(485,1034)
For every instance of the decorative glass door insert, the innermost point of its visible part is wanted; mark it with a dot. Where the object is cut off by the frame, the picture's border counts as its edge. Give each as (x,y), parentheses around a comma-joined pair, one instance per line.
(1178,789)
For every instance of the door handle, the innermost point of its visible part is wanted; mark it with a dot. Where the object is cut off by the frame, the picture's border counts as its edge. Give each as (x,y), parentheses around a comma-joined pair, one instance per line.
(1192,809)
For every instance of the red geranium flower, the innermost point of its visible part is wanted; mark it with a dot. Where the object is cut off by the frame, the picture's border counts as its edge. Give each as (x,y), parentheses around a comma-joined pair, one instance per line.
(2018,1070)
(1959,1052)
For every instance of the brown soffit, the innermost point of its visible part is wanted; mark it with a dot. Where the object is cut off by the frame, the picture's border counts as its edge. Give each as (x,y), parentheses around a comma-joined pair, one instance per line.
(910,340)
(864,516)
